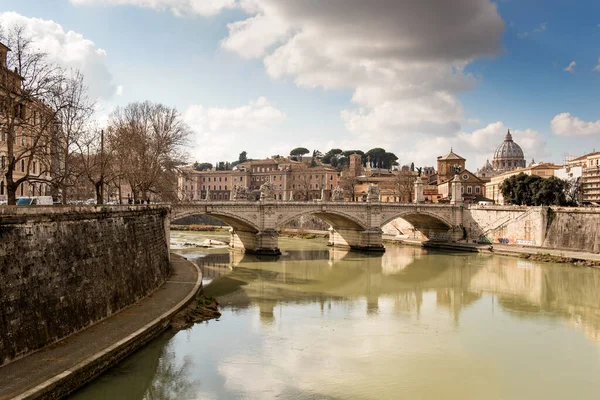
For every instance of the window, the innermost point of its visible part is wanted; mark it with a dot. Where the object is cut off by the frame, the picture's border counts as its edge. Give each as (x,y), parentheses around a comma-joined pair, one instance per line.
(469,189)
(2,188)
(477,189)
(34,167)
(203,179)
(219,179)
(225,179)
(22,165)
(3,162)
(219,187)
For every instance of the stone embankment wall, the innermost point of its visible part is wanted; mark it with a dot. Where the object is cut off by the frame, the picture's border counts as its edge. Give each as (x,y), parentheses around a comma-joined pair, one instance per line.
(551,227)
(62,269)
(573,228)
(505,224)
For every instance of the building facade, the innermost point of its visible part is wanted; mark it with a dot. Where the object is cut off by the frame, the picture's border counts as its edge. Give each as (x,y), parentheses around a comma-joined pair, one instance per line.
(589,165)
(291,180)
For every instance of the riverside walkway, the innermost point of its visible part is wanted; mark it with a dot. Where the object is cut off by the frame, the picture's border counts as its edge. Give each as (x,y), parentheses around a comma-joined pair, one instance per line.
(62,367)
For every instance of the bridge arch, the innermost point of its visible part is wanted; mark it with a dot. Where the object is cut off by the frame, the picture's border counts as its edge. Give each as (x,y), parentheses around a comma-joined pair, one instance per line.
(237,222)
(334,218)
(430,224)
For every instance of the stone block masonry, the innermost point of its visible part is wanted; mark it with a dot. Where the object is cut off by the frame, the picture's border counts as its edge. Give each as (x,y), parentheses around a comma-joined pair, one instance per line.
(566,228)
(65,268)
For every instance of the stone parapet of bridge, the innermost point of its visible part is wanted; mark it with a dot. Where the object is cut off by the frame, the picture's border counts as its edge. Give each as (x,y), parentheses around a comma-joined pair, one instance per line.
(255,225)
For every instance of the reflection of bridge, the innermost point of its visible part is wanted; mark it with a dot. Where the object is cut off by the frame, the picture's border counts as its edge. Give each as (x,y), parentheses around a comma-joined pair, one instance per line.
(355,225)
(405,274)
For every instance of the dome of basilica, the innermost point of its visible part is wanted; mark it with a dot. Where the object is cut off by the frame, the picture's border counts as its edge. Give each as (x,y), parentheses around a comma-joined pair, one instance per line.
(508,155)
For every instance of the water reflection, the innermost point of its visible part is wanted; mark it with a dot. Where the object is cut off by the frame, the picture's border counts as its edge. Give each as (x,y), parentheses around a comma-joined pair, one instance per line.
(306,276)
(324,323)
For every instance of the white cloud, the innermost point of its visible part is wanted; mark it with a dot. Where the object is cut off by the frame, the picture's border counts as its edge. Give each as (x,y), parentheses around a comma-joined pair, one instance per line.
(541,28)
(223,132)
(177,7)
(571,67)
(597,67)
(405,74)
(119,91)
(404,60)
(565,124)
(68,49)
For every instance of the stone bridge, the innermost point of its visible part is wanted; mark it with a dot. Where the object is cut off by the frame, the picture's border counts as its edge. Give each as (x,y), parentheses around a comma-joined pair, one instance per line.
(255,225)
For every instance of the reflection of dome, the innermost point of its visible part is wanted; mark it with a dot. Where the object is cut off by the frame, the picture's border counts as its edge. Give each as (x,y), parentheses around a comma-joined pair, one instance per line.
(508,155)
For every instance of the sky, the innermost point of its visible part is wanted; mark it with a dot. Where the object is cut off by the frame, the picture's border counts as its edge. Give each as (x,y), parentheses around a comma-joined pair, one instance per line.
(416,77)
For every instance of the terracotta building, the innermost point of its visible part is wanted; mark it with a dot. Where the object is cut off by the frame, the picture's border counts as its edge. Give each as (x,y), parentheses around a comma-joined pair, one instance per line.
(451,166)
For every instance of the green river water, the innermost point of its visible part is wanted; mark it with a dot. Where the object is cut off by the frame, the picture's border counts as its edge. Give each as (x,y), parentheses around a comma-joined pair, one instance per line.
(320,323)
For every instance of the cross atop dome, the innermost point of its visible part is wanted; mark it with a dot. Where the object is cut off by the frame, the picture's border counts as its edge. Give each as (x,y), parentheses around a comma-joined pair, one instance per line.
(508,137)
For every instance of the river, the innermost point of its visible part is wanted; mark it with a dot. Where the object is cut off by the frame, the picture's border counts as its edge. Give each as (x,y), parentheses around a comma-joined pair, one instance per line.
(320,323)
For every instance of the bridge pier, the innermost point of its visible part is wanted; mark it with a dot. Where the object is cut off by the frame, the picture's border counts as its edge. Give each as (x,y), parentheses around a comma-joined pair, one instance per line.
(362,240)
(264,242)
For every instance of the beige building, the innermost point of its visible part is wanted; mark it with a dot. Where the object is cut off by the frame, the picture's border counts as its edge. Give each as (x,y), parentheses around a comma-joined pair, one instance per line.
(590,176)
(545,170)
(292,180)
(28,118)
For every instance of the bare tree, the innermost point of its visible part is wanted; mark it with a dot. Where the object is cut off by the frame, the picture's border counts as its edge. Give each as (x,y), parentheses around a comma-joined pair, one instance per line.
(148,142)
(30,89)
(348,183)
(96,160)
(73,119)
(404,185)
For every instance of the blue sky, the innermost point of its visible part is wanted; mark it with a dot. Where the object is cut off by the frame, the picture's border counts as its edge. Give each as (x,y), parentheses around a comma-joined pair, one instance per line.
(414,78)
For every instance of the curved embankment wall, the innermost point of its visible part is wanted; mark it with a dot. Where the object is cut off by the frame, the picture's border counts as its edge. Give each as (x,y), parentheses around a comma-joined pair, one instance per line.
(64,268)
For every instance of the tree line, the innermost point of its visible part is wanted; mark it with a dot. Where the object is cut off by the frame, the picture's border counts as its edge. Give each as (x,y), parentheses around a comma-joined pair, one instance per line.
(337,158)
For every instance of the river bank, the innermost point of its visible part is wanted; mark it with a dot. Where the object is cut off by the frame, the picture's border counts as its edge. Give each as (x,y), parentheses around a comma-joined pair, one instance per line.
(562,256)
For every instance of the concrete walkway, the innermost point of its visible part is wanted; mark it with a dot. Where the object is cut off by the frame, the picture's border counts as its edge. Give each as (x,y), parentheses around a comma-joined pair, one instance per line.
(579,255)
(55,370)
